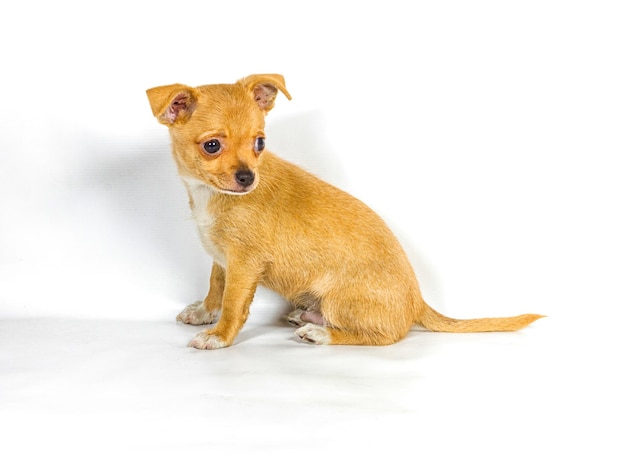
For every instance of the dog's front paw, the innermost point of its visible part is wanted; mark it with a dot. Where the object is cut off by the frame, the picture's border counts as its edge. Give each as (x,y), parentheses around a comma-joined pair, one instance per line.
(207,340)
(196,314)
(315,334)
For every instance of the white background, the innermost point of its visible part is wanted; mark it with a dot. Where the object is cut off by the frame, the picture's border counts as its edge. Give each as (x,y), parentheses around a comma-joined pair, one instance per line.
(488,134)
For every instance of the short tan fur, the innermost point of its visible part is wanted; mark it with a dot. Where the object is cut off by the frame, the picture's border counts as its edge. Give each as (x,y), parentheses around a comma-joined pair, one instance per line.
(266,221)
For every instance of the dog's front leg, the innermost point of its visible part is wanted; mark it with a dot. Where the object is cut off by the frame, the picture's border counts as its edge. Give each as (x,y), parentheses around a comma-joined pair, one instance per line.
(239,287)
(207,311)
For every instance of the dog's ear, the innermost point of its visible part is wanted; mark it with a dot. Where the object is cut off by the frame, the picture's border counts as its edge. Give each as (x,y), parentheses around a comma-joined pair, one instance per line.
(172,103)
(264,87)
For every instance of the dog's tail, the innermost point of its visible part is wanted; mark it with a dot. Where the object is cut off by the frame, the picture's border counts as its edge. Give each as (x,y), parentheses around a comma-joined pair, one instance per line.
(437,322)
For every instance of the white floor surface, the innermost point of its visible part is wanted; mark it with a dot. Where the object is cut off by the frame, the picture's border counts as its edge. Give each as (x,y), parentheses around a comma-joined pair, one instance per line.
(87,386)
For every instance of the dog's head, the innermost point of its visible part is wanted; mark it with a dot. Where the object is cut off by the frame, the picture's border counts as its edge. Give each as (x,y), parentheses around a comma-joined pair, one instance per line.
(218,130)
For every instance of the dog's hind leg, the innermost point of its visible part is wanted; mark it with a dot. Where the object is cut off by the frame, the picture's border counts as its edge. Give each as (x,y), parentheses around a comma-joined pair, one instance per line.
(351,322)
(317,334)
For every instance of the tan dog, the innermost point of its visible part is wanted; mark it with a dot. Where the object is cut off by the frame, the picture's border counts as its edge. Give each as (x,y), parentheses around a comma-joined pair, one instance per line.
(266,221)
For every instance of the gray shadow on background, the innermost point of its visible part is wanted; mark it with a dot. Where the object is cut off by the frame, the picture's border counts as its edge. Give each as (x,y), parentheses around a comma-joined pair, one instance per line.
(138,185)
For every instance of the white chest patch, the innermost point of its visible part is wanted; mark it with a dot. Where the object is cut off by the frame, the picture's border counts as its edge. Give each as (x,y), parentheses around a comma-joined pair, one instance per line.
(201,194)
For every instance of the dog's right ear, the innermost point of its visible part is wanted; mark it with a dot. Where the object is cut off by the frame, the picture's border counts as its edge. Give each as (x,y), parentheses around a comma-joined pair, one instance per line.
(172,103)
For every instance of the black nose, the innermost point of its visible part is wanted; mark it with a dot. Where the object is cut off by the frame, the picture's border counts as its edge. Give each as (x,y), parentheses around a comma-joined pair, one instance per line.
(244,177)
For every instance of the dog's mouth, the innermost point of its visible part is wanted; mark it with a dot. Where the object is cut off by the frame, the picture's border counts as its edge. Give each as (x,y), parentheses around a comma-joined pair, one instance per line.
(236,192)
(238,184)
(236,189)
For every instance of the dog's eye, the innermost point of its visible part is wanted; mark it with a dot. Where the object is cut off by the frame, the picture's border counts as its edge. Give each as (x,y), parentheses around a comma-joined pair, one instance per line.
(259,144)
(212,146)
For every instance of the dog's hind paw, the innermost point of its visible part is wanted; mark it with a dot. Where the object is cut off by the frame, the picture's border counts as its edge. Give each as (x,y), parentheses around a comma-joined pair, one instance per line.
(295,318)
(299,317)
(314,334)
(196,314)
(206,340)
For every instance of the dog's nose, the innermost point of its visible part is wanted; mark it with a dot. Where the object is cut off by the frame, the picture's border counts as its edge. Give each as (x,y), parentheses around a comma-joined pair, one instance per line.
(244,177)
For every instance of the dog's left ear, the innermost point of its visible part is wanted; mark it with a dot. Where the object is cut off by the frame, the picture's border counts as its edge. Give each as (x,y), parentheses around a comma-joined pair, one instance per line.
(264,87)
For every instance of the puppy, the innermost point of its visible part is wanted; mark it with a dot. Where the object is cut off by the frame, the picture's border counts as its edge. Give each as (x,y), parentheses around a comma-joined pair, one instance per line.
(266,221)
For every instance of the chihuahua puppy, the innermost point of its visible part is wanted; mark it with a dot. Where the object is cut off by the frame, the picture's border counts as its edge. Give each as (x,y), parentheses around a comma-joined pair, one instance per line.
(266,221)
